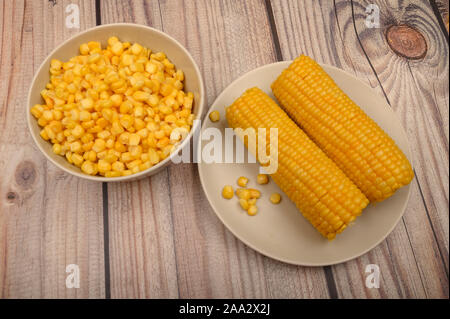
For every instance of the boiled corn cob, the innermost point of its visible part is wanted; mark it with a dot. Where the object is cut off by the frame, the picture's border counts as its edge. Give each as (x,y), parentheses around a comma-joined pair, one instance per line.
(320,190)
(366,154)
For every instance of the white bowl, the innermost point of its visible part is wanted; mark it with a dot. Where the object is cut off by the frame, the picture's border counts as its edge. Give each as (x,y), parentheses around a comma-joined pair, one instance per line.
(146,36)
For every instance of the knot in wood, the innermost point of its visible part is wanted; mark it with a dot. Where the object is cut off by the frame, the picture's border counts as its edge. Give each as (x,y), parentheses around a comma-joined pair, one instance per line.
(25,174)
(12,196)
(406,42)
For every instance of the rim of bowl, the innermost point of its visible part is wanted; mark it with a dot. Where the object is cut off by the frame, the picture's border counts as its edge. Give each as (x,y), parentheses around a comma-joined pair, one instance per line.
(148,171)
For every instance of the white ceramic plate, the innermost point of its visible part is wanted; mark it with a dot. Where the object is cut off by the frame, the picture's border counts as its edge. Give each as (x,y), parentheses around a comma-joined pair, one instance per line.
(280,231)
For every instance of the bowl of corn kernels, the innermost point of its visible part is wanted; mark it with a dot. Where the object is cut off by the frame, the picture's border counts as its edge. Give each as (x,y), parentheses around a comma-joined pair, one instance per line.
(115,102)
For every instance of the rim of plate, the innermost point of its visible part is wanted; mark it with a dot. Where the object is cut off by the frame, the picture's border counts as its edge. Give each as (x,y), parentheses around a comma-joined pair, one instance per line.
(261,250)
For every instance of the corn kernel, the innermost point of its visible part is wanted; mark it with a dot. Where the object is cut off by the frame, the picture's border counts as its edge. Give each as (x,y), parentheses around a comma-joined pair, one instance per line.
(254,193)
(99,145)
(243,193)
(87,104)
(242,181)
(262,179)
(118,166)
(227,192)
(214,116)
(57,148)
(77,131)
(103,166)
(275,198)
(84,49)
(117,48)
(244,204)
(134,139)
(252,210)
(77,159)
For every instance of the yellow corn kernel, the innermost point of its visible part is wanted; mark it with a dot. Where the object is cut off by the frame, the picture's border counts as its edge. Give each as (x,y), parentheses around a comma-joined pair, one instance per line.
(112,174)
(252,210)
(275,198)
(136,49)
(139,112)
(75,147)
(227,192)
(55,64)
(133,164)
(162,142)
(117,48)
(125,107)
(242,181)
(153,156)
(104,134)
(126,157)
(214,116)
(141,96)
(135,169)
(57,148)
(87,104)
(252,201)
(127,172)
(254,193)
(118,146)
(144,166)
(135,151)
(109,143)
(99,145)
(37,111)
(110,158)
(127,121)
(243,193)
(77,131)
(127,59)
(89,168)
(118,166)
(69,157)
(134,139)
(103,166)
(102,154)
(262,179)
(84,49)
(77,159)
(85,116)
(42,122)
(92,156)
(116,100)
(244,204)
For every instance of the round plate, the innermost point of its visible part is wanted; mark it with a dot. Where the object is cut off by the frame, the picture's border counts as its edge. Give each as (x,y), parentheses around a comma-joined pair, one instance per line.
(280,231)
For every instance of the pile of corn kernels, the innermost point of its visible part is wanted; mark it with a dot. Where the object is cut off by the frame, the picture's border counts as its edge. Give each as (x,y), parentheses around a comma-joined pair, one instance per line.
(114,111)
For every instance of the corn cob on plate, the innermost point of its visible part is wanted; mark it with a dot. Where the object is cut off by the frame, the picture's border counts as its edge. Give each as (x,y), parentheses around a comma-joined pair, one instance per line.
(280,231)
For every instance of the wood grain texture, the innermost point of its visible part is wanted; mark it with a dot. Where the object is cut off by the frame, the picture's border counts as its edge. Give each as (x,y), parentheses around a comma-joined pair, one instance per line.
(414,258)
(443,11)
(48,219)
(227,39)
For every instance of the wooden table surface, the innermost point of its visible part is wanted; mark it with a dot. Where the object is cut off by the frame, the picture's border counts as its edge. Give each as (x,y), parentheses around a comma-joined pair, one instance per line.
(158,237)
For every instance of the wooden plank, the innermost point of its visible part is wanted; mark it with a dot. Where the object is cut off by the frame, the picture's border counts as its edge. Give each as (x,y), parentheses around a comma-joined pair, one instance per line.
(410,259)
(227,39)
(142,254)
(48,219)
(442,7)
